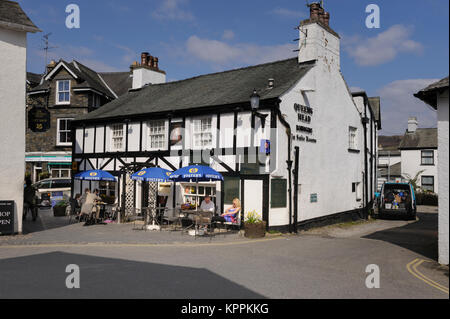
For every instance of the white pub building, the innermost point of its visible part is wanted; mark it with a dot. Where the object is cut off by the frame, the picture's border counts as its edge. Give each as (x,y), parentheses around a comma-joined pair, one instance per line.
(304,152)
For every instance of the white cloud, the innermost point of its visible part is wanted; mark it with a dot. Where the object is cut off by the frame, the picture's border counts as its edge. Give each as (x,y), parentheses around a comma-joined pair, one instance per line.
(228,35)
(220,54)
(398,103)
(383,48)
(288,13)
(171,10)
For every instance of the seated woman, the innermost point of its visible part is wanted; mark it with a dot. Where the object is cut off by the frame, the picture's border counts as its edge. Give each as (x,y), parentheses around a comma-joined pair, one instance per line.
(230,214)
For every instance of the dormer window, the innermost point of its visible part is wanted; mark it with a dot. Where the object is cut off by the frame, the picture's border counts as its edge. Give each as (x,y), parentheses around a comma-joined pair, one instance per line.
(63,92)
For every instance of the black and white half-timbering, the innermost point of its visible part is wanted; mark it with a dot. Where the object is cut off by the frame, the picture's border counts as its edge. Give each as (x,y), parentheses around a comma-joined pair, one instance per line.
(308,151)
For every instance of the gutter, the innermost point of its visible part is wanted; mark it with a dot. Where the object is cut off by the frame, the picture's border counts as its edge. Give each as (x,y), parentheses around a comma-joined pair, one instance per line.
(289,162)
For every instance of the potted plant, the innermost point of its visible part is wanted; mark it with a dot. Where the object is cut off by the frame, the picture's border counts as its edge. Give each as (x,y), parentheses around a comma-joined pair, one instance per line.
(254,226)
(59,209)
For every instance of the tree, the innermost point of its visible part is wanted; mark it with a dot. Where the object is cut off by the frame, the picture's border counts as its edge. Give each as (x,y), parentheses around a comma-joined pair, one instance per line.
(413,180)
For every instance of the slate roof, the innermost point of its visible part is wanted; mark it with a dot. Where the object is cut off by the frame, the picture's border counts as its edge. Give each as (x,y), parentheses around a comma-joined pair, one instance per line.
(33,78)
(119,82)
(423,138)
(13,17)
(395,170)
(110,84)
(211,90)
(428,94)
(389,143)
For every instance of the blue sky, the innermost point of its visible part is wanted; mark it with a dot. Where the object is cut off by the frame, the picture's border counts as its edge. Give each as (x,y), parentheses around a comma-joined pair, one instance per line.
(193,37)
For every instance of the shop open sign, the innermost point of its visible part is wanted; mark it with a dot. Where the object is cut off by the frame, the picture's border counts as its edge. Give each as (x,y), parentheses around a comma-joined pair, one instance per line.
(6,217)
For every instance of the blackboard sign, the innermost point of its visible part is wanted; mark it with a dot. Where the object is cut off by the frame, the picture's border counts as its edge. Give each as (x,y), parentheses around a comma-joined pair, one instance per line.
(6,217)
(39,119)
(278,193)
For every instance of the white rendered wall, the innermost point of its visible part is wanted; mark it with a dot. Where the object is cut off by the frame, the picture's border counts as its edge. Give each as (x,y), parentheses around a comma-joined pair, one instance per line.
(143,76)
(13,51)
(411,165)
(389,160)
(326,168)
(443,176)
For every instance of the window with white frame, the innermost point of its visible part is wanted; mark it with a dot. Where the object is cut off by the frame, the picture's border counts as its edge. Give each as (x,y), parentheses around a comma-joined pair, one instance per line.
(157,135)
(63,92)
(352,138)
(63,134)
(117,134)
(202,132)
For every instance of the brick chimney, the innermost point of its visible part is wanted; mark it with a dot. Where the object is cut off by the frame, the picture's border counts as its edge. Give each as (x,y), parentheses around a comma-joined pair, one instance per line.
(147,72)
(412,124)
(51,66)
(317,40)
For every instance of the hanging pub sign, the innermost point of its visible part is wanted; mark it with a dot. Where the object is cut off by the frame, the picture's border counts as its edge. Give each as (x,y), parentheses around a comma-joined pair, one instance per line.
(6,217)
(39,119)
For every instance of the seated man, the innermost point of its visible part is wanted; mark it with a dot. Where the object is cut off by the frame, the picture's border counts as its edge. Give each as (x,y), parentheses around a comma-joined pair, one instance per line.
(207,205)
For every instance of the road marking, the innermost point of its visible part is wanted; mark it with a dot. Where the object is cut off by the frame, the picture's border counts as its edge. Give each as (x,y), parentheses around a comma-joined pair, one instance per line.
(140,245)
(412,268)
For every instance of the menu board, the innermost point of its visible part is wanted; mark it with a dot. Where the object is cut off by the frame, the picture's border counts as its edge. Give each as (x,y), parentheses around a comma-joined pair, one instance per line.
(6,217)
(278,193)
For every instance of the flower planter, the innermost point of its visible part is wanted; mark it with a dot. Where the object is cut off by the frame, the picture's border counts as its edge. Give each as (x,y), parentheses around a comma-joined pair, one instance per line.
(59,211)
(255,230)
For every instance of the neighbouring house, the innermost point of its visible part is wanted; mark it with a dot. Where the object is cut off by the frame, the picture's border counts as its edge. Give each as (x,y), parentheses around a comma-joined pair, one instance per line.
(418,149)
(436,95)
(66,91)
(306,112)
(14,26)
(389,159)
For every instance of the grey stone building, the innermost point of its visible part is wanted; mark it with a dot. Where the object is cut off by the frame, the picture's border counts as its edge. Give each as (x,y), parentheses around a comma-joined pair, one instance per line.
(66,91)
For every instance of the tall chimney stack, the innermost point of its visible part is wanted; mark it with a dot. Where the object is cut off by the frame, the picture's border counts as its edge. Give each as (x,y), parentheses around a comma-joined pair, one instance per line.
(412,124)
(147,72)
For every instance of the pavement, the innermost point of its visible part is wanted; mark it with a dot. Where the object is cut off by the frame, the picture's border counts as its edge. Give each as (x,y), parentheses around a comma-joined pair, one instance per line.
(116,261)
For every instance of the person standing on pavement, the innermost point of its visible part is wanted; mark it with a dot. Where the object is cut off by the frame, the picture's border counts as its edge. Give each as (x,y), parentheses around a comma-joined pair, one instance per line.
(29,199)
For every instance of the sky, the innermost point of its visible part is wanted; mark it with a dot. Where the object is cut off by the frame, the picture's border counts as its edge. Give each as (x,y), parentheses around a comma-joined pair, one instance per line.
(191,37)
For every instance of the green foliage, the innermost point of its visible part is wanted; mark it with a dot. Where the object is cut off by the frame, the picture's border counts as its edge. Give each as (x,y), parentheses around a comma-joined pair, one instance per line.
(62,203)
(253,218)
(413,180)
(426,198)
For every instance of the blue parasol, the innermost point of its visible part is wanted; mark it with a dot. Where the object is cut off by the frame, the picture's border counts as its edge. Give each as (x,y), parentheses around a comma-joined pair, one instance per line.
(196,173)
(152,174)
(95,175)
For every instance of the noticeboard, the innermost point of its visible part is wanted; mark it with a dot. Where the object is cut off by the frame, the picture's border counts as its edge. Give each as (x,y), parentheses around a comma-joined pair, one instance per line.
(6,217)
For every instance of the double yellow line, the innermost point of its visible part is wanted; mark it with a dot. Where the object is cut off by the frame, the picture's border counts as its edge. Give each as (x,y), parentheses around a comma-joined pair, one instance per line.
(412,268)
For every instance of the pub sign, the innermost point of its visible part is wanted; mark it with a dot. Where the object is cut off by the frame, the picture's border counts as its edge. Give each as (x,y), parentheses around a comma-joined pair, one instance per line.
(39,119)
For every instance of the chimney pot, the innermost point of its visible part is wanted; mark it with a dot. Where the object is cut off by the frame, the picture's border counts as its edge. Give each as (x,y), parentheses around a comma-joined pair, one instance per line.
(314,11)
(144,57)
(326,19)
(156,60)
(150,61)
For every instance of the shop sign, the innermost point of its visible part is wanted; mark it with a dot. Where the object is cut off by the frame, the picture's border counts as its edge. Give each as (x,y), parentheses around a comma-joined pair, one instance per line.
(39,119)
(6,217)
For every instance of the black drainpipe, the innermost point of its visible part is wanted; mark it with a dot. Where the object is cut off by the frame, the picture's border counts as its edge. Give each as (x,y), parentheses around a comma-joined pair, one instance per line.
(289,162)
(365,120)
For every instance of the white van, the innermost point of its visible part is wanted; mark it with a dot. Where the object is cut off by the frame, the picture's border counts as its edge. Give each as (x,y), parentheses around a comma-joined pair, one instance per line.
(51,190)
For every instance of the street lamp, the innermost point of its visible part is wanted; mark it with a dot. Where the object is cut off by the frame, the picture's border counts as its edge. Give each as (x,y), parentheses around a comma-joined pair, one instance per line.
(254,103)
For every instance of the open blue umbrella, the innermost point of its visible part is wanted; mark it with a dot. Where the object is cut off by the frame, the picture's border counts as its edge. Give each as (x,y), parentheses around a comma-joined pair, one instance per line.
(95,175)
(196,173)
(152,174)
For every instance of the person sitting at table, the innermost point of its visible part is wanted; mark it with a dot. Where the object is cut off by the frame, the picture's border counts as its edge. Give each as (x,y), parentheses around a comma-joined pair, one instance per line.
(207,204)
(230,214)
